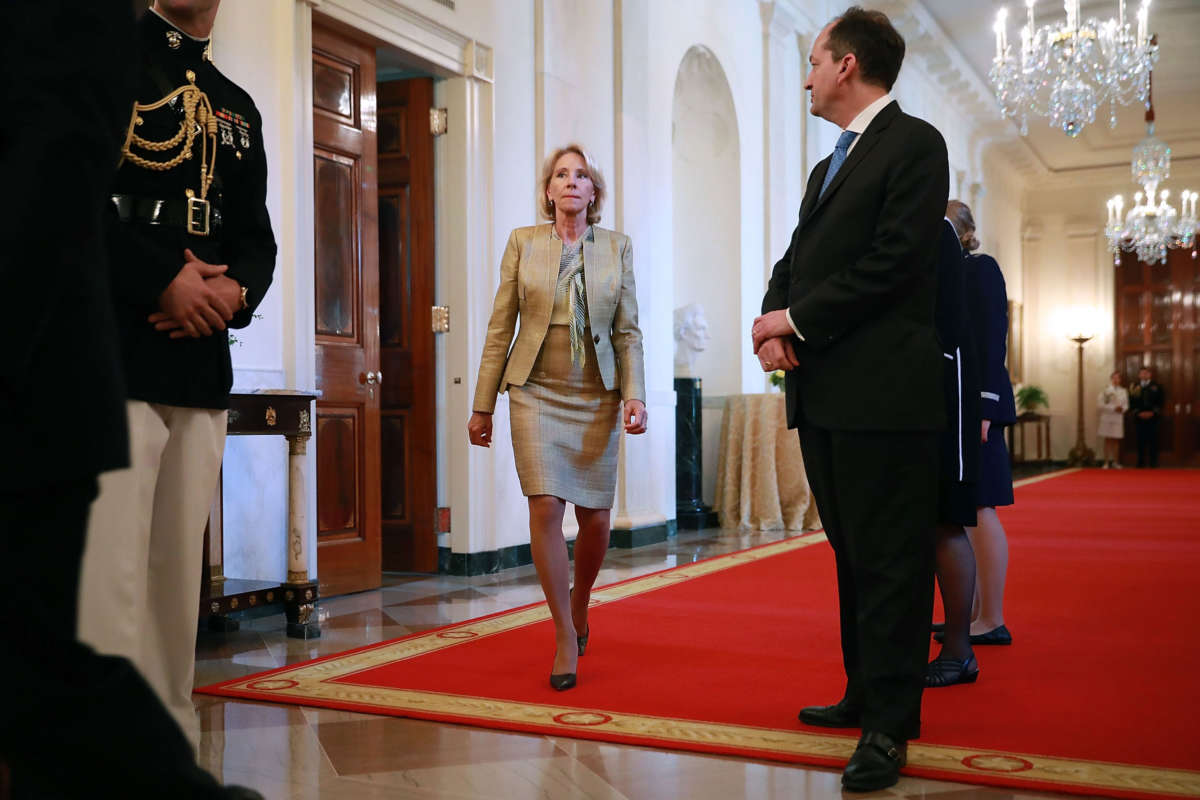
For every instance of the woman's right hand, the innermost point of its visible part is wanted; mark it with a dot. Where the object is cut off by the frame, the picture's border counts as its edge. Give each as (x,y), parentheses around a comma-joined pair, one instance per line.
(479,428)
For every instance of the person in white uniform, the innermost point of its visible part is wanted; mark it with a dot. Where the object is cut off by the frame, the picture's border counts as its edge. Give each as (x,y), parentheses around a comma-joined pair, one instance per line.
(1112,404)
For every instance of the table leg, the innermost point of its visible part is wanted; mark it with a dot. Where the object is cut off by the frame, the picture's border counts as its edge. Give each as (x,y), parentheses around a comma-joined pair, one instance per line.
(299,593)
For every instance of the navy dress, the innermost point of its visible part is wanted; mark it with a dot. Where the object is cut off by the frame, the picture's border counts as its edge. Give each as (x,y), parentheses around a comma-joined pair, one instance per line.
(960,387)
(987,302)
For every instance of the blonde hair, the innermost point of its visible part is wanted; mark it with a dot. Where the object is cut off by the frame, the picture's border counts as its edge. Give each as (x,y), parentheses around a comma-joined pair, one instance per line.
(546,207)
(959,214)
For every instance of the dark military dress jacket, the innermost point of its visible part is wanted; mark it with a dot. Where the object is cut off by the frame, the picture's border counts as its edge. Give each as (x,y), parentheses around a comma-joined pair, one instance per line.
(1149,398)
(193,175)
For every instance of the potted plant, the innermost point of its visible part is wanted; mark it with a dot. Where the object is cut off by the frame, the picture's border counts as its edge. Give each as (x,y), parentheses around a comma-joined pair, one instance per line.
(1029,398)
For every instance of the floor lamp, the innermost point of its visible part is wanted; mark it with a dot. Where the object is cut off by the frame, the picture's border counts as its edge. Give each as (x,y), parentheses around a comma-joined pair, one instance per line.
(1081,454)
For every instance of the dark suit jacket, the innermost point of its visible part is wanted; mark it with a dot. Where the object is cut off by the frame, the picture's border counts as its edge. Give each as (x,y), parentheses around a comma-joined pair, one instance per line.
(859,279)
(66,80)
(987,299)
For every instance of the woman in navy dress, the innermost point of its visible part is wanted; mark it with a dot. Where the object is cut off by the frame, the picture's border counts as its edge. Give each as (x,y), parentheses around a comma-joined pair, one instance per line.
(987,303)
(957,489)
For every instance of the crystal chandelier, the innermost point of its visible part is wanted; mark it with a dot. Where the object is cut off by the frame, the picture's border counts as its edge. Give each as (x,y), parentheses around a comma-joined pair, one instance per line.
(1066,70)
(1152,226)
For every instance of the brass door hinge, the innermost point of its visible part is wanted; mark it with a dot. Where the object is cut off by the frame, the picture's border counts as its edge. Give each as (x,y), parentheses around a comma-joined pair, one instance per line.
(439,121)
(441,319)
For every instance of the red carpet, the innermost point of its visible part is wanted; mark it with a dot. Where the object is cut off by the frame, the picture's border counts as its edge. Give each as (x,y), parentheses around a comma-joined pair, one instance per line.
(1096,695)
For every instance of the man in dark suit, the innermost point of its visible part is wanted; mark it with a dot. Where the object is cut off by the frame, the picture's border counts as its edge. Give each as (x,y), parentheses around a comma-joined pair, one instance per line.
(849,313)
(72,723)
(1146,399)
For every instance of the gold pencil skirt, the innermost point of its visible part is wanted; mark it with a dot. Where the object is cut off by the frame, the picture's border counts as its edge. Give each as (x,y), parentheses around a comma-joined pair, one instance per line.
(565,426)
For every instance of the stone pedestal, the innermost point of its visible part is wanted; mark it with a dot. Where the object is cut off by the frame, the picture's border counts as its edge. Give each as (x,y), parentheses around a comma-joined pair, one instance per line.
(690,511)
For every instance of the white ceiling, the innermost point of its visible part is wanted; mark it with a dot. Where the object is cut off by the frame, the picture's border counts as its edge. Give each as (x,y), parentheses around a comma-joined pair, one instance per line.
(968,24)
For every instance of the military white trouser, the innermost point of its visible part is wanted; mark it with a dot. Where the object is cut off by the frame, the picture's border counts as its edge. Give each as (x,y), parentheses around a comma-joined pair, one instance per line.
(140,583)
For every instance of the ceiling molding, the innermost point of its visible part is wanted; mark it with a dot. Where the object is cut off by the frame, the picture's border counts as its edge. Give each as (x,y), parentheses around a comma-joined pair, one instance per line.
(446,50)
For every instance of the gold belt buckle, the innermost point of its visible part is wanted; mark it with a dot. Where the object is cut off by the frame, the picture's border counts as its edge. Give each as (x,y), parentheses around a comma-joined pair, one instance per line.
(198,215)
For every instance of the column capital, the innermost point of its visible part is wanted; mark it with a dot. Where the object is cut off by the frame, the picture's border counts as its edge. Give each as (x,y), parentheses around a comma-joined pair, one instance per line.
(776,20)
(479,62)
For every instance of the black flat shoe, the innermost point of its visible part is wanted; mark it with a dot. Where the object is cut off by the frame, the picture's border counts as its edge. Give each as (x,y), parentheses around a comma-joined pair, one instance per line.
(562,681)
(875,764)
(937,627)
(994,636)
(839,715)
(949,671)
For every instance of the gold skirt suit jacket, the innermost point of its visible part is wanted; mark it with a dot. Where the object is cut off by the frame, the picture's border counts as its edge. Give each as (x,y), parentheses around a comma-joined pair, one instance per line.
(565,417)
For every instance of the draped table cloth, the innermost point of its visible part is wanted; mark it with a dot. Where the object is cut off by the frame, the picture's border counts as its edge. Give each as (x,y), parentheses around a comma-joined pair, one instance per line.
(761,483)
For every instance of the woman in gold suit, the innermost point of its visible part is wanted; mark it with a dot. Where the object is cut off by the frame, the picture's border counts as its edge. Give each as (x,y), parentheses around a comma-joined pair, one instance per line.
(576,361)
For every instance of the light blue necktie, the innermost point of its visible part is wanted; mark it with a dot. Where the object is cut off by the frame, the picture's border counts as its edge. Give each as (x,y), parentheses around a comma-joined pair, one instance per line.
(839,157)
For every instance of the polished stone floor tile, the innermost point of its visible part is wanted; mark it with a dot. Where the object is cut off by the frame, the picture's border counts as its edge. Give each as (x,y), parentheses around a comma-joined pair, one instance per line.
(554,778)
(381,744)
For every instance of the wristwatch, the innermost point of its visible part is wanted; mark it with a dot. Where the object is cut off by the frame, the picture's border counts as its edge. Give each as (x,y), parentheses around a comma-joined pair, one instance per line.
(242,304)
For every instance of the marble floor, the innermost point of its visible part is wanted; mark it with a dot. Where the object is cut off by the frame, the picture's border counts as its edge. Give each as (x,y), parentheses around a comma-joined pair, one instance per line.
(294,752)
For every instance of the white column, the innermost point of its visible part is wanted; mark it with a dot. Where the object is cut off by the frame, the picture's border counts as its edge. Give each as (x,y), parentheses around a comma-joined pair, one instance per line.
(784,129)
(466,254)
(574,80)
(646,464)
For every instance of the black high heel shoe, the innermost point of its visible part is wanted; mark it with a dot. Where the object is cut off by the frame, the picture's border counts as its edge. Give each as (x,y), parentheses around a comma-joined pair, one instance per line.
(562,681)
(582,641)
(949,671)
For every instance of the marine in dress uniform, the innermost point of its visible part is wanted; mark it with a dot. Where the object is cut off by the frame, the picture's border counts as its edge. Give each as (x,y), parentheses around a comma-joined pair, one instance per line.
(1146,397)
(191,187)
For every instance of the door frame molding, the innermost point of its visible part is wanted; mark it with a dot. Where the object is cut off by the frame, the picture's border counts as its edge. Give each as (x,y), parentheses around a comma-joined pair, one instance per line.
(464,188)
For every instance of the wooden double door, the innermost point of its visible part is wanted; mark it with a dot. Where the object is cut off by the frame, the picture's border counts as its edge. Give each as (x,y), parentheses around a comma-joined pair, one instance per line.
(1158,325)
(373,270)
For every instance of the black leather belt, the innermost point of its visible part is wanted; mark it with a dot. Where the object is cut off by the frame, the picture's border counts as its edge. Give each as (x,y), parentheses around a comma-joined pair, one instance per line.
(198,217)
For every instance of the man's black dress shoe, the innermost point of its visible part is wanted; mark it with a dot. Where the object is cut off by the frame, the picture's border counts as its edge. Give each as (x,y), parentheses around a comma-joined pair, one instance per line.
(949,671)
(839,715)
(875,764)
(994,636)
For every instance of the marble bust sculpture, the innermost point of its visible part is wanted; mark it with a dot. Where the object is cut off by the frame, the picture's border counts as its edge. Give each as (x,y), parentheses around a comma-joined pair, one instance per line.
(691,338)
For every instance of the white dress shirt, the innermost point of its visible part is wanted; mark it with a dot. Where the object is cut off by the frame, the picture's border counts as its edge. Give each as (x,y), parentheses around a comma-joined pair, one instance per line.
(858,125)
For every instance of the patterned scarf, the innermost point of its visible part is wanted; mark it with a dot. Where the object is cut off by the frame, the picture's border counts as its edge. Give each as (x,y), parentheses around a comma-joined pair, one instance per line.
(570,279)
